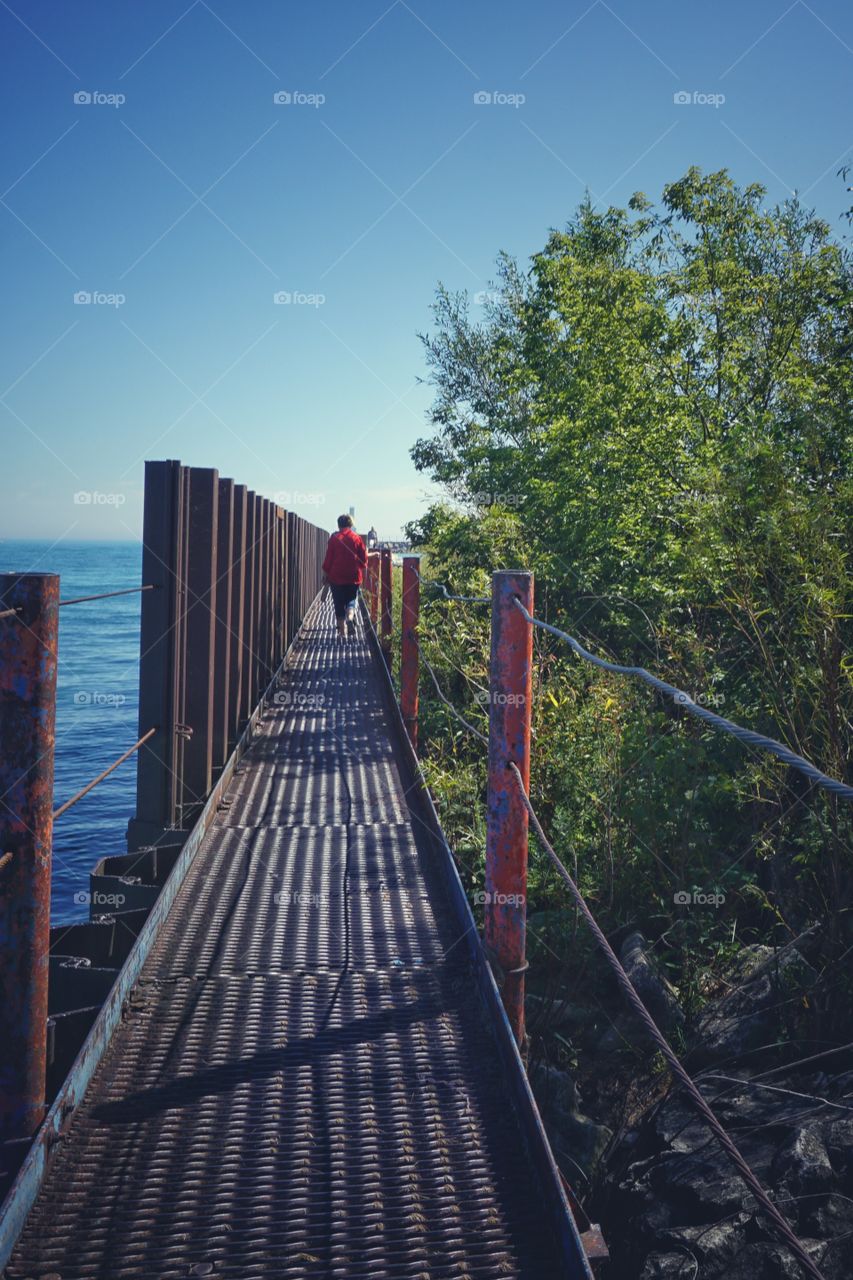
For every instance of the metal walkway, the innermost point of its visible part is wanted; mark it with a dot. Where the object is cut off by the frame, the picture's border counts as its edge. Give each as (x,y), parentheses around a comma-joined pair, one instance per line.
(307,1080)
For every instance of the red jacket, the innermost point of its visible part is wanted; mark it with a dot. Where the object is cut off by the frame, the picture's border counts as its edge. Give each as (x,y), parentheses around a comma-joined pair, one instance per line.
(346,558)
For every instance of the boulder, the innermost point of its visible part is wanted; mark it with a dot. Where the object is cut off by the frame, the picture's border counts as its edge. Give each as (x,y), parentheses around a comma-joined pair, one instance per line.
(669,1266)
(803,1167)
(576,1139)
(656,993)
(748,1017)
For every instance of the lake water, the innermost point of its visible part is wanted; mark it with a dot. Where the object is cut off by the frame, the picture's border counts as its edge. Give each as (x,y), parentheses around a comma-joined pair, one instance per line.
(97,701)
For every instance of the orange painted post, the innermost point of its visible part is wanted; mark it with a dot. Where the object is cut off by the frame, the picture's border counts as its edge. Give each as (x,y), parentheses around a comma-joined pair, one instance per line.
(409,656)
(386,606)
(372,585)
(510,684)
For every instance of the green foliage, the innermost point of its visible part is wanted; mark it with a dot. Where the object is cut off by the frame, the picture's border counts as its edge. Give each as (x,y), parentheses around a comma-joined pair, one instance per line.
(656,419)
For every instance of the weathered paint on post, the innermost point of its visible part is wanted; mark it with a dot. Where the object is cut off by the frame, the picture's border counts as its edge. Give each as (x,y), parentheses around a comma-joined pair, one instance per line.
(28,643)
(506,819)
(409,656)
(371,583)
(386,606)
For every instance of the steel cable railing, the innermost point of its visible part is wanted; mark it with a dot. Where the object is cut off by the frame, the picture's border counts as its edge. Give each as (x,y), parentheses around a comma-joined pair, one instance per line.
(833,785)
(682,699)
(698,1101)
(103,595)
(57,813)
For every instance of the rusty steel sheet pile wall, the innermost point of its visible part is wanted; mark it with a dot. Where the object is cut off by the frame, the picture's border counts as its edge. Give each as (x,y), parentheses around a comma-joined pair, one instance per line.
(236,575)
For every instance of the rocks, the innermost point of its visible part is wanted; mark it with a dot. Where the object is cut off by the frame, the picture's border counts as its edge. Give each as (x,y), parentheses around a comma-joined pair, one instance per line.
(668,1266)
(558,1015)
(576,1139)
(803,1166)
(748,1017)
(656,993)
(653,989)
(685,1212)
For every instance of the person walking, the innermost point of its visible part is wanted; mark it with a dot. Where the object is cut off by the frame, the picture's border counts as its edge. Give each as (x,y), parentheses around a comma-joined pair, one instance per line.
(343,570)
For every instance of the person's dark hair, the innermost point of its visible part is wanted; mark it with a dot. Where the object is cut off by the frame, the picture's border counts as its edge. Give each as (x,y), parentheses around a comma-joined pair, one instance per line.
(344,522)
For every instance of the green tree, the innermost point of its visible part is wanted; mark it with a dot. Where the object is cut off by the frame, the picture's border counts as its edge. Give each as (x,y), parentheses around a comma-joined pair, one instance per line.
(656,418)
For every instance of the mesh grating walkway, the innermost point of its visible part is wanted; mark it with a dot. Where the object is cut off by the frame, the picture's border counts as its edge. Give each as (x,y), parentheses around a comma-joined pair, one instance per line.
(304,1083)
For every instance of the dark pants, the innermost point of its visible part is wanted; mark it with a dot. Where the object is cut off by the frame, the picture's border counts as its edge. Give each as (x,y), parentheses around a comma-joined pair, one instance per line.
(342,596)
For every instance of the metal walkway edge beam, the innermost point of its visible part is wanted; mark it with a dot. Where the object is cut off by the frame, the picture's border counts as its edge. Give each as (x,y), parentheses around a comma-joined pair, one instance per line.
(310,1074)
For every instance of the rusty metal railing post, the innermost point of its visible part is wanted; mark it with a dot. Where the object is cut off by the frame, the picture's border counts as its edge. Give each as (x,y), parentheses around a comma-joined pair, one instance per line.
(372,585)
(386,606)
(27,730)
(409,653)
(506,820)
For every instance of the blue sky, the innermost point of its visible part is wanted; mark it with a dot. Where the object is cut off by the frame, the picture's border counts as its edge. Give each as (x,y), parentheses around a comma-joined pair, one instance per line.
(182,197)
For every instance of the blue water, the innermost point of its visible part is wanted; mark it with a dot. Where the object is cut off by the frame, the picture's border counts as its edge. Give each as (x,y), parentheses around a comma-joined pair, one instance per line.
(97,701)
